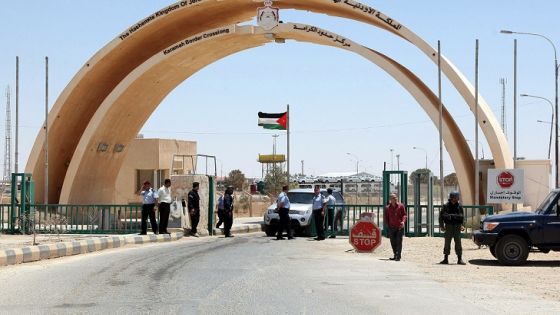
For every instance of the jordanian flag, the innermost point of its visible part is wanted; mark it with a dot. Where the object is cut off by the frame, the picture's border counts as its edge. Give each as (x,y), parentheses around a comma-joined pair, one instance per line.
(273,121)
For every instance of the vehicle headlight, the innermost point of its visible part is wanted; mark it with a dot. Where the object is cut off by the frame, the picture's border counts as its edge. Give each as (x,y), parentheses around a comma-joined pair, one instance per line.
(308,212)
(489,226)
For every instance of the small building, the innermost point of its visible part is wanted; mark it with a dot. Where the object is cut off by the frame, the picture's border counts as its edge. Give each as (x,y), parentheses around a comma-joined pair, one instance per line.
(152,160)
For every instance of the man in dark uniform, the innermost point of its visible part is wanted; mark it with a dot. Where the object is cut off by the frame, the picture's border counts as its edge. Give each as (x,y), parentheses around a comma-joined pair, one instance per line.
(193,204)
(283,206)
(451,222)
(228,211)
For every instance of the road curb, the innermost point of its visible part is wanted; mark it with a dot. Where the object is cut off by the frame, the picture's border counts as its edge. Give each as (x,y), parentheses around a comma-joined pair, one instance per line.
(246,228)
(62,249)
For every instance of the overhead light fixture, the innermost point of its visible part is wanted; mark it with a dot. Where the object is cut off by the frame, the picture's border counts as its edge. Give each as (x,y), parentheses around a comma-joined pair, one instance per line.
(102,147)
(118,148)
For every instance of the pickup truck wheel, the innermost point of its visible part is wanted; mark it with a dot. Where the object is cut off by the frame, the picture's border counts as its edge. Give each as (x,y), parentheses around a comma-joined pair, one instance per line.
(512,250)
(493,250)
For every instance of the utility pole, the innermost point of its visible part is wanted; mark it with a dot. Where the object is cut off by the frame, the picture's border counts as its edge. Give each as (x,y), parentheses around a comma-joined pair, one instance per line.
(302,170)
(16,157)
(440,126)
(514,206)
(8,147)
(46,197)
(274,137)
(503,82)
(477,162)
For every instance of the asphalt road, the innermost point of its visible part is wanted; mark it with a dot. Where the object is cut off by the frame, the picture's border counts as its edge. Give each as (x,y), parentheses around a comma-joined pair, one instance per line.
(249,274)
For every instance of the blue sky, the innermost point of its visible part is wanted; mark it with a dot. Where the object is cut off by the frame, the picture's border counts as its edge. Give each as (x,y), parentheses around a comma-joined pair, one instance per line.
(339,101)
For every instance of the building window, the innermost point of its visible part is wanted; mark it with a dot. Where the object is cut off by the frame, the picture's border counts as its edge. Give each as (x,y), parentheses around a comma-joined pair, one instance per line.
(145,175)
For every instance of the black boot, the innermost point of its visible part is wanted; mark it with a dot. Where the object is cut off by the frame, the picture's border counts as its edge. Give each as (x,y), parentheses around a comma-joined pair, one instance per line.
(445,261)
(460,261)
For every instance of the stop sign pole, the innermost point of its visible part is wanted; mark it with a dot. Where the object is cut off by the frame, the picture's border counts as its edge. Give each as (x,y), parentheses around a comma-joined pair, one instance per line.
(365,235)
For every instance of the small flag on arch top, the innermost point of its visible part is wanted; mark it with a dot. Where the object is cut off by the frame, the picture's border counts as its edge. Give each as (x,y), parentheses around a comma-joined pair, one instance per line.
(278,121)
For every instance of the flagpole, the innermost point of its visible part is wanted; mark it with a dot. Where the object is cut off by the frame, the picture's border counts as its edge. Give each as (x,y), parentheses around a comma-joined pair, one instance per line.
(288,144)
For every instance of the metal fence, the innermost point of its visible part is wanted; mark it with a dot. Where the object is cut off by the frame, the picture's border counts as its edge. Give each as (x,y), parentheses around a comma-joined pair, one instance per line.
(4,215)
(71,219)
(420,221)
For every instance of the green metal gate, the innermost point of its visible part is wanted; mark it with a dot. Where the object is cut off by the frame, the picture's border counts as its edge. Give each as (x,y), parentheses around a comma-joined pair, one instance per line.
(422,216)
(20,212)
(211,206)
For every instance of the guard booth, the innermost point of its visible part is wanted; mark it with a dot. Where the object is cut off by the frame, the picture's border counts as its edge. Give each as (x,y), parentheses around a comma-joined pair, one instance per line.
(185,170)
(21,214)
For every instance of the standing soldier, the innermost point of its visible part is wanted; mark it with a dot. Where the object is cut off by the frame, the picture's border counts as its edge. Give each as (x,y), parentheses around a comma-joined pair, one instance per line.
(319,213)
(331,201)
(451,222)
(193,204)
(283,206)
(164,207)
(149,199)
(394,219)
(228,211)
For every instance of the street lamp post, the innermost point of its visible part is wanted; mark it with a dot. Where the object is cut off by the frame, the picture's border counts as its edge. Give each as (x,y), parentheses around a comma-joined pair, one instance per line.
(557,179)
(426,152)
(357,171)
(392,159)
(551,120)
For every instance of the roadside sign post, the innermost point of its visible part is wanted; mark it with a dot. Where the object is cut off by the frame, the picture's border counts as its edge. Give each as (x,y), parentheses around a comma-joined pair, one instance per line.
(365,236)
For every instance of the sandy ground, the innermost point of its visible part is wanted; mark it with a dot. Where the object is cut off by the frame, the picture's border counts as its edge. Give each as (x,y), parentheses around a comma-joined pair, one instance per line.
(540,276)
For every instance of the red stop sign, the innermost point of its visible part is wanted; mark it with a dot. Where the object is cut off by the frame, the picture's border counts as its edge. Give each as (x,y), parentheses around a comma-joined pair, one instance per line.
(505,179)
(365,236)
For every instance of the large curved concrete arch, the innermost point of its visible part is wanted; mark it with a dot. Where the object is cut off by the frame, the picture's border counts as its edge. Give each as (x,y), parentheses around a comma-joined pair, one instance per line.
(82,97)
(149,83)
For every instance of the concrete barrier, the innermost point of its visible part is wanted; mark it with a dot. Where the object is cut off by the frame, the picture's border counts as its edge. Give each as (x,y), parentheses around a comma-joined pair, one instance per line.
(62,249)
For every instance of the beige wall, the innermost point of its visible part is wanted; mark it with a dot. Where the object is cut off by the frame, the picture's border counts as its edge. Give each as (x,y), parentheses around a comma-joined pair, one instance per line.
(536,181)
(148,154)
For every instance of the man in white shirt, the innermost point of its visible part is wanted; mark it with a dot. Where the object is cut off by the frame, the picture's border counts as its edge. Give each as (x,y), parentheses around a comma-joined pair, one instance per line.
(319,213)
(164,194)
(283,206)
(330,221)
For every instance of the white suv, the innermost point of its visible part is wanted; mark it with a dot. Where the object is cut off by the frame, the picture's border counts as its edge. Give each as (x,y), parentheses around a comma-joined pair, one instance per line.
(300,211)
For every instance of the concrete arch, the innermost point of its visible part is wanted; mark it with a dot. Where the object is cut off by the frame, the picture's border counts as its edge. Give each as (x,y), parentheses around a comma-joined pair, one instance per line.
(79,101)
(149,83)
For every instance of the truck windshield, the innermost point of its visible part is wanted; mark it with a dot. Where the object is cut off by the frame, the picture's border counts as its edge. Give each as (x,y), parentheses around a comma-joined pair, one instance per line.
(545,205)
(300,197)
